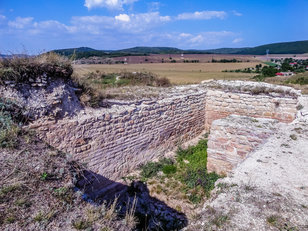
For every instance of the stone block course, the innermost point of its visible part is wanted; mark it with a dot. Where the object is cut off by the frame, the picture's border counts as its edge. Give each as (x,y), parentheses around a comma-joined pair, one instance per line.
(241,135)
(116,141)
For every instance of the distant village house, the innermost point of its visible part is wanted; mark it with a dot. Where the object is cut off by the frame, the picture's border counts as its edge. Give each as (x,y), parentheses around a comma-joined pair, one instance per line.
(289,73)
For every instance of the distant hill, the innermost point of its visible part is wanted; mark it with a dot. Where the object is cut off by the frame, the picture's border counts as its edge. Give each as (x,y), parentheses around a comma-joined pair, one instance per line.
(227,50)
(299,47)
(151,50)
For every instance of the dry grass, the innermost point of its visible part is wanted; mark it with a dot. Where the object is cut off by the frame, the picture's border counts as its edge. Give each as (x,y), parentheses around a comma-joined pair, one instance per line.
(37,191)
(178,73)
(291,81)
(23,69)
(130,219)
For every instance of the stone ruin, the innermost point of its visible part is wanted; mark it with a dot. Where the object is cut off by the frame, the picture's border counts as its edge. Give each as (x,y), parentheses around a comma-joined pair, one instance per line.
(116,140)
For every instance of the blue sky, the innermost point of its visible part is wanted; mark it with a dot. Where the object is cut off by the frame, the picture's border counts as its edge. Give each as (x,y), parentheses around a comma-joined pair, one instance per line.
(35,26)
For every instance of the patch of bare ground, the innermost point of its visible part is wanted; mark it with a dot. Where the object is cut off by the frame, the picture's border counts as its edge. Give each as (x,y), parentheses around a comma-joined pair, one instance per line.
(269,190)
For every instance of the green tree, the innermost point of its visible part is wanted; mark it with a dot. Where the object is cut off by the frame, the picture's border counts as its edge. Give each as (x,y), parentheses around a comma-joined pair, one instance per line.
(268,71)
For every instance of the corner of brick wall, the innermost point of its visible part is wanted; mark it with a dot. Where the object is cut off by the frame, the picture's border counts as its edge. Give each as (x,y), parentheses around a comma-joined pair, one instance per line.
(231,140)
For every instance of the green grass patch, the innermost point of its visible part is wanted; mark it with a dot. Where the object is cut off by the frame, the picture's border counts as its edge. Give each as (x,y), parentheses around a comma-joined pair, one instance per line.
(189,169)
(193,171)
(169,169)
(151,169)
(271,64)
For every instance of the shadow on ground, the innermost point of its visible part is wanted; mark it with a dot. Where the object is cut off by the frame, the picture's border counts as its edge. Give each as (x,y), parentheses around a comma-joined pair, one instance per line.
(152,214)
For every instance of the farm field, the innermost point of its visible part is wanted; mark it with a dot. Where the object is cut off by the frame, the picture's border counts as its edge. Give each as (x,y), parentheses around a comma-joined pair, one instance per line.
(178,73)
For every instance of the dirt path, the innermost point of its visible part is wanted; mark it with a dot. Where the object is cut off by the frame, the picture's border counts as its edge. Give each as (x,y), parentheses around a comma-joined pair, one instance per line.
(269,190)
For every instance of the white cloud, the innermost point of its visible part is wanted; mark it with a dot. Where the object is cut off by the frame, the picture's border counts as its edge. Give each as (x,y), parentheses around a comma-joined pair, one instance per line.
(2,19)
(118,31)
(202,15)
(20,23)
(185,35)
(110,4)
(237,13)
(123,18)
(237,40)
(133,23)
(154,6)
(197,39)
(201,40)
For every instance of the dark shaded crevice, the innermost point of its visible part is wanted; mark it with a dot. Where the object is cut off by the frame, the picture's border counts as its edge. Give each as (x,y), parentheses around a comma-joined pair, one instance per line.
(152,214)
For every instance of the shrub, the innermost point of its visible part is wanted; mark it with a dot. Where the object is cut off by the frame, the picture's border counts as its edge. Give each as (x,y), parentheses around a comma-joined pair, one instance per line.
(8,131)
(162,82)
(22,69)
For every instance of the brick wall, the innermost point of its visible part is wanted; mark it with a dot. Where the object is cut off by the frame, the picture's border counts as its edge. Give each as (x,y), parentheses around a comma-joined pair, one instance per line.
(224,102)
(116,141)
(231,140)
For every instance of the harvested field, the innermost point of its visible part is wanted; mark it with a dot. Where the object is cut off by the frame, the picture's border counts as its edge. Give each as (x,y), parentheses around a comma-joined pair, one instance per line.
(178,73)
(202,58)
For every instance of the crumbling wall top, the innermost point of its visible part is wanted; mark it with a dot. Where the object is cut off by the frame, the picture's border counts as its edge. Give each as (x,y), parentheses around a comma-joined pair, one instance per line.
(253,88)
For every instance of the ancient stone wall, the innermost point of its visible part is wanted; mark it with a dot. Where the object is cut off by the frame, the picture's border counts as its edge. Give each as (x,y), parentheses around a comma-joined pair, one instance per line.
(115,141)
(258,100)
(231,139)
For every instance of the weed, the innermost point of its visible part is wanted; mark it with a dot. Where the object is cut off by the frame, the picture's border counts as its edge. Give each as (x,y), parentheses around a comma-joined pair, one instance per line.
(64,193)
(169,169)
(158,189)
(44,217)
(81,224)
(130,219)
(23,203)
(223,186)
(272,219)
(8,131)
(110,212)
(10,219)
(299,107)
(293,137)
(249,188)
(220,220)
(285,145)
(44,176)
(9,189)
(92,215)
(151,169)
